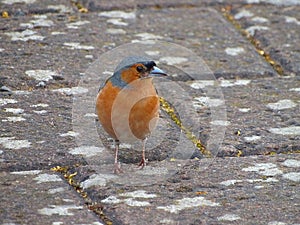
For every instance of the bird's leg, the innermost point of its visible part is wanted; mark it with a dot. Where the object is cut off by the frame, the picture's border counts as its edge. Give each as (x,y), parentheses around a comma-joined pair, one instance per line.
(117,165)
(143,161)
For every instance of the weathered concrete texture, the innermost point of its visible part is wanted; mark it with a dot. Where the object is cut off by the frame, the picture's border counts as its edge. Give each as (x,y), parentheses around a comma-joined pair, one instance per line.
(232,190)
(221,39)
(262,115)
(94,5)
(217,44)
(34,130)
(277,30)
(47,48)
(41,197)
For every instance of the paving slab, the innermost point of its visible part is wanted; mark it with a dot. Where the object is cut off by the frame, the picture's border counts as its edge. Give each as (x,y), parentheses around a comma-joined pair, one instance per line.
(41,197)
(215,36)
(49,50)
(232,190)
(276,29)
(262,114)
(36,130)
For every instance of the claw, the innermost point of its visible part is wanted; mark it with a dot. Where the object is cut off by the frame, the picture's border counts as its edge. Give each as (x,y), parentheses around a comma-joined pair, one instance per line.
(117,168)
(142,164)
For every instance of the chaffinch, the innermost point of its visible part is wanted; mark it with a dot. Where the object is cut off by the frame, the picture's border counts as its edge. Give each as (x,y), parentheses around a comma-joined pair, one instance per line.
(127,105)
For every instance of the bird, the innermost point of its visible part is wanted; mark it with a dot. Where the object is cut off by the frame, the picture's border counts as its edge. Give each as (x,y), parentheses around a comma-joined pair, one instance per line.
(128,104)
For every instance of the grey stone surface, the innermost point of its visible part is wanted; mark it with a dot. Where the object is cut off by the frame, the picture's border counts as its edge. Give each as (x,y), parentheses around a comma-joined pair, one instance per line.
(41,197)
(232,190)
(54,58)
(277,30)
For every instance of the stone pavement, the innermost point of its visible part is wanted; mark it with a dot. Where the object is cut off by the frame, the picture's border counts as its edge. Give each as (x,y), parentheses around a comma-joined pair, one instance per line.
(243,104)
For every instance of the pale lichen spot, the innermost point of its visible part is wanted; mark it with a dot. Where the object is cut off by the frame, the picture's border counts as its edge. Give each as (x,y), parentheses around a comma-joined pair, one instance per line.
(138,194)
(230,83)
(277,223)
(293,176)
(266,169)
(57,223)
(93,115)
(26,172)
(111,200)
(11,2)
(132,202)
(295,89)
(173,60)
(11,143)
(233,182)
(14,110)
(278,3)
(40,111)
(201,102)
(61,210)
(186,203)
(70,133)
(290,19)
(25,35)
(252,138)
(252,29)
(234,51)
(229,217)
(56,190)
(22,92)
(167,221)
(292,130)
(41,75)
(118,14)
(117,22)
(43,178)
(43,105)
(57,33)
(244,110)
(200,84)
(72,91)
(144,42)
(230,182)
(13,119)
(282,104)
(5,101)
(38,21)
(97,180)
(77,45)
(291,163)
(87,151)
(152,53)
(89,56)
(220,122)
(243,14)
(76,25)
(259,19)
(148,36)
(115,31)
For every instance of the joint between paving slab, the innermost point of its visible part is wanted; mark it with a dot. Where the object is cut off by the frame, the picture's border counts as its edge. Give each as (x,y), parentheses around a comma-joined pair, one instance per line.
(69,176)
(171,112)
(276,66)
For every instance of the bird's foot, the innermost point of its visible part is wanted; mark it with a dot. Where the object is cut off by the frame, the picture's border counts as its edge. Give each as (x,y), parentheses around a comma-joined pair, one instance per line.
(117,168)
(142,164)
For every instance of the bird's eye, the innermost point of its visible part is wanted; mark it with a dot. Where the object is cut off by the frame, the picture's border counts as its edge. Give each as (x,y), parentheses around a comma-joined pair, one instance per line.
(140,69)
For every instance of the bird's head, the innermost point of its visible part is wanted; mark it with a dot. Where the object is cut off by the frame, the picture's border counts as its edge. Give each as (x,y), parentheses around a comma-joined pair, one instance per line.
(140,70)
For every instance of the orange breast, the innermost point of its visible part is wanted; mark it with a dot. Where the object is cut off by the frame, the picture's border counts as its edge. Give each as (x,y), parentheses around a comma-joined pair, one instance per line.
(104,102)
(131,113)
